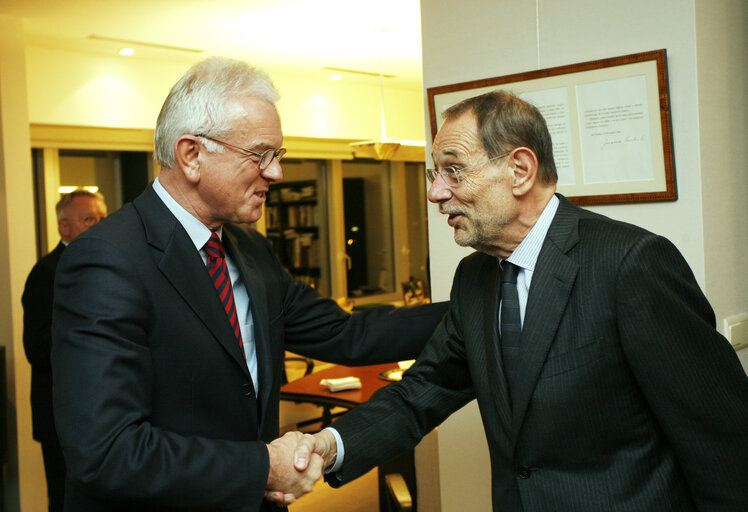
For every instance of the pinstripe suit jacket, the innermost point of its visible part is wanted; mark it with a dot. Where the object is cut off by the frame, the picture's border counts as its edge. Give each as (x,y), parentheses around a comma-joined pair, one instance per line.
(626,397)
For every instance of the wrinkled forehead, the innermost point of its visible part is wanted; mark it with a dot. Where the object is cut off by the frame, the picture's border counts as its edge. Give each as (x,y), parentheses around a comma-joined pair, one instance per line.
(457,138)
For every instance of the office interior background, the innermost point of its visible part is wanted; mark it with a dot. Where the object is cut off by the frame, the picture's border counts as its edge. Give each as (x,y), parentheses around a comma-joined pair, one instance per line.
(72,109)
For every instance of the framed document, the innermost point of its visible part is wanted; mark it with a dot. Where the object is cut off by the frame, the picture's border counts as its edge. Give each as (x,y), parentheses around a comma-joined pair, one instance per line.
(609,121)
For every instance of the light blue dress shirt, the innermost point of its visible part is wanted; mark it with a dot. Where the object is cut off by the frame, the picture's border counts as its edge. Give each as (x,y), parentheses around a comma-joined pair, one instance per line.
(199,234)
(525,256)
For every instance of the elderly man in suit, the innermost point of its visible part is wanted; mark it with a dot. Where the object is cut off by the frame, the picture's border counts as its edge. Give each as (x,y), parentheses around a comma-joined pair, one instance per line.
(172,316)
(76,212)
(601,380)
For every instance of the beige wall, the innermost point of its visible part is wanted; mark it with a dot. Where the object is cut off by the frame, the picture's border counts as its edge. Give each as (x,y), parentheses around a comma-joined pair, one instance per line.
(722,74)
(17,255)
(706,47)
(66,87)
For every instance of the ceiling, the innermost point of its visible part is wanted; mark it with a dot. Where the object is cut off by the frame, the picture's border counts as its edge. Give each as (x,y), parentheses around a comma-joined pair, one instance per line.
(286,36)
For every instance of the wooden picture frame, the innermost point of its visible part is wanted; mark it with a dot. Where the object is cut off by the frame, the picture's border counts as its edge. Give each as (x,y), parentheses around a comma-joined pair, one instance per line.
(609,120)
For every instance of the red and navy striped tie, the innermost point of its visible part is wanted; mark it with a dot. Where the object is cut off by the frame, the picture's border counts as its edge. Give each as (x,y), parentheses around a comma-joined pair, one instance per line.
(219,273)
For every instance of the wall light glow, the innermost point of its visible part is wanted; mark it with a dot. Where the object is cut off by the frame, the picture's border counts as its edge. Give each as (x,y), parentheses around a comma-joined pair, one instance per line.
(126,52)
(67,190)
(335,78)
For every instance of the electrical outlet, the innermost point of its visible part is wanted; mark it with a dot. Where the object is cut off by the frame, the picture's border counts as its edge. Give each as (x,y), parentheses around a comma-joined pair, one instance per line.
(736,330)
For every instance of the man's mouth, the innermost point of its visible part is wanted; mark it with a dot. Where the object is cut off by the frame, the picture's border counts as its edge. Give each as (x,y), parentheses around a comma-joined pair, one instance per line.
(452,216)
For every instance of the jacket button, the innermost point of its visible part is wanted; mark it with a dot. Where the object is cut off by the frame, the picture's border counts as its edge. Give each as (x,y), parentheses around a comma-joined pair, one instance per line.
(524,472)
(247,390)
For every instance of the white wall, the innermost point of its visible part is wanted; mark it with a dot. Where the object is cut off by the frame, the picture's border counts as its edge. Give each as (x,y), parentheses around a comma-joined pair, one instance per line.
(722,71)
(471,39)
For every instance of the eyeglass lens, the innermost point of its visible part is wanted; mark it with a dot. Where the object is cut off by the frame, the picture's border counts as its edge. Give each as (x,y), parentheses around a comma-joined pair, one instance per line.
(449,174)
(268,156)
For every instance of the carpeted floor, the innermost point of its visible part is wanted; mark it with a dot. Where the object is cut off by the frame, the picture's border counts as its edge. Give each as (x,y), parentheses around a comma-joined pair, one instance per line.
(361,495)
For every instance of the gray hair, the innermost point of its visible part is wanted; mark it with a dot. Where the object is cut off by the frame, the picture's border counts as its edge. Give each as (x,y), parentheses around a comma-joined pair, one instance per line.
(505,122)
(196,103)
(67,199)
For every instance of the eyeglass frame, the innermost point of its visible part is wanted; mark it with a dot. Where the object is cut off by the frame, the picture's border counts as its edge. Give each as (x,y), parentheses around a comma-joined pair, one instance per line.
(451,170)
(277,153)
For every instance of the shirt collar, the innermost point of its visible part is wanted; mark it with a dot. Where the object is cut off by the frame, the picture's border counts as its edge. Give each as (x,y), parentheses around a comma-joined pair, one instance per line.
(526,254)
(196,230)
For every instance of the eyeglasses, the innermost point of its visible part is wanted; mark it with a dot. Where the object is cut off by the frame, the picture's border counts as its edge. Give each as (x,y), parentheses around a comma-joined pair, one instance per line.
(265,157)
(451,175)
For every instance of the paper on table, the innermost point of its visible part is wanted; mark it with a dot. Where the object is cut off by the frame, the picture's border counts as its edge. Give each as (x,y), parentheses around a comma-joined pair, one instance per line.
(341,384)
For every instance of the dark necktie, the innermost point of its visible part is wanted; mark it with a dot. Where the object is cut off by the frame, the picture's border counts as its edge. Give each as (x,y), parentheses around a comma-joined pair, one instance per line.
(219,273)
(511,324)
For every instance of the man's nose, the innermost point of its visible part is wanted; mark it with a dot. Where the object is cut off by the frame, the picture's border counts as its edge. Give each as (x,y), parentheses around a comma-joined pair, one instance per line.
(439,191)
(273,172)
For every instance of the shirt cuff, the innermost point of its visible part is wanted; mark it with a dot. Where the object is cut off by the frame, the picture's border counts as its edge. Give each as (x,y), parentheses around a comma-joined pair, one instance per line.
(340,454)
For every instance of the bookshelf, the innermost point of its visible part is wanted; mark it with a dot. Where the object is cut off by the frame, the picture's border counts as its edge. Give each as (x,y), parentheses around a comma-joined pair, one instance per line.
(292,227)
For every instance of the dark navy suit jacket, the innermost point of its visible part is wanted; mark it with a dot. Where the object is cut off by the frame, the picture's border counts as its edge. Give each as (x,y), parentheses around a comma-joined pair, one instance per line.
(153,400)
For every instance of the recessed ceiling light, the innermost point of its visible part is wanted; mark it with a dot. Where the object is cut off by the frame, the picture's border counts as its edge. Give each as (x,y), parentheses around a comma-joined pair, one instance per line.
(126,52)
(336,77)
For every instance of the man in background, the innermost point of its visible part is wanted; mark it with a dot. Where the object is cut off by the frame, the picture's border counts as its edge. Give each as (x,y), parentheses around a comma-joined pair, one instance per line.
(601,380)
(76,212)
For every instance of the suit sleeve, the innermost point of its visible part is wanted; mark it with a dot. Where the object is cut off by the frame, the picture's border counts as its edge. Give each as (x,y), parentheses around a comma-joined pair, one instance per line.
(37,315)
(317,327)
(399,415)
(688,372)
(104,388)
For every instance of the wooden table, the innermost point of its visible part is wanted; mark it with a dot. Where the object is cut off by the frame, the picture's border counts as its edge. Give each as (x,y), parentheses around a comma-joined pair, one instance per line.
(308,389)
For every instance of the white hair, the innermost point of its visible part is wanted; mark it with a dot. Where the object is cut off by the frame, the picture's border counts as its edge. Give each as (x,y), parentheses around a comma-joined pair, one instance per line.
(196,104)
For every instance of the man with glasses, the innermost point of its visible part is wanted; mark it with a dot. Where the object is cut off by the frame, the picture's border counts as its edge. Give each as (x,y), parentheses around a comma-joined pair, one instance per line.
(592,352)
(172,318)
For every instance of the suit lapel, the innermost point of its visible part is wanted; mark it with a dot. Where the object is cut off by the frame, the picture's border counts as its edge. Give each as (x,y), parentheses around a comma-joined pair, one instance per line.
(549,294)
(183,267)
(256,290)
(488,305)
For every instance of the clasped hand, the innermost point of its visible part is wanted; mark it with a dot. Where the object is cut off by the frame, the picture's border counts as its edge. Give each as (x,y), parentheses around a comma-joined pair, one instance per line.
(296,462)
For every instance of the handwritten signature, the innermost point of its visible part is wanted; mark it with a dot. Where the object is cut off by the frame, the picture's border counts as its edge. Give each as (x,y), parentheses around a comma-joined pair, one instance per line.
(632,139)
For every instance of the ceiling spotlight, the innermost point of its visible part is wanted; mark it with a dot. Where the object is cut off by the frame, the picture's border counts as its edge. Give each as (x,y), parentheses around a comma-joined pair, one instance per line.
(126,52)
(335,78)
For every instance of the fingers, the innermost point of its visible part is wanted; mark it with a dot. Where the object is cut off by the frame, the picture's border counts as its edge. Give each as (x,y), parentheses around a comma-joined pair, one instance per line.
(316,468)
(304,450)
(280,498)
(326,446)
(286,483)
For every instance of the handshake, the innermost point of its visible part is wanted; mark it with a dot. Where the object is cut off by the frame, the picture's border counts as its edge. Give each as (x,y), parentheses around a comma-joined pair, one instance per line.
(297,461)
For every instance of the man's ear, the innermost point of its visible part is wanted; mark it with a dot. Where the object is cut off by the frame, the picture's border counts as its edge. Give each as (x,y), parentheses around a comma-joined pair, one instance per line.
(187,157)
(63,228)
(524,164)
